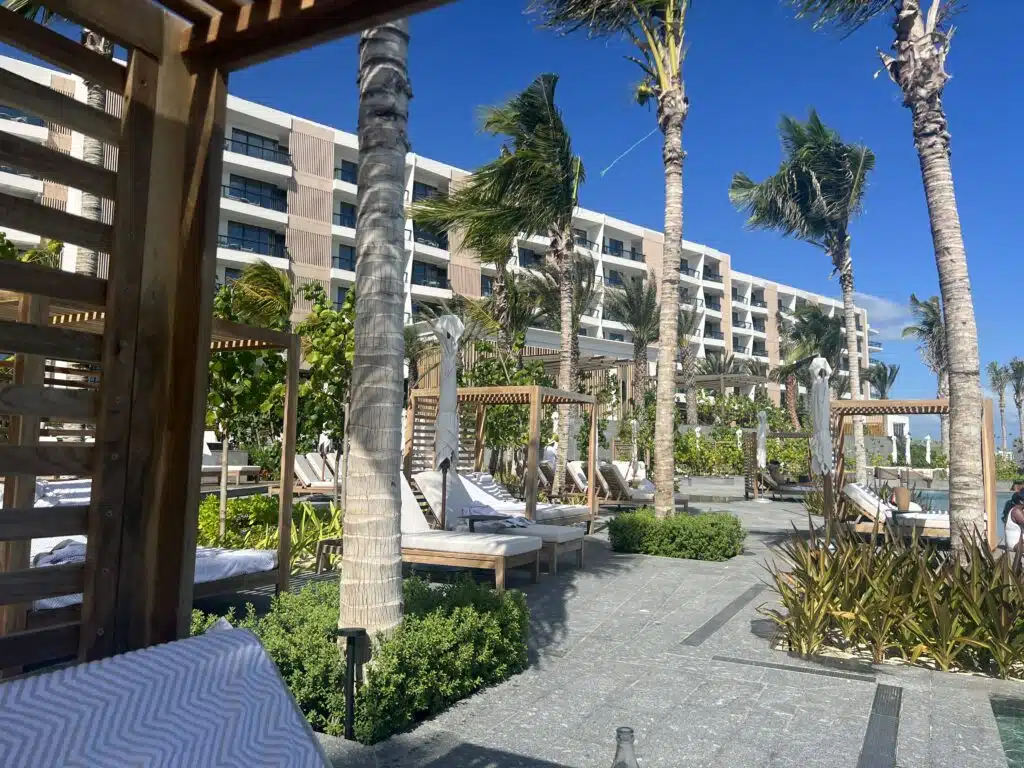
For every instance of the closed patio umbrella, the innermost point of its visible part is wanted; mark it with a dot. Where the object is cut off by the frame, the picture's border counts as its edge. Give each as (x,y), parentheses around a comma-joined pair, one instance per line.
(762,448)
(448,330)
(822,460)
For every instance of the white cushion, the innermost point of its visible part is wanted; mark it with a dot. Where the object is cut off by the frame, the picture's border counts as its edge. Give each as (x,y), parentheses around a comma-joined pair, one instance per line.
(457,500)
(559,534)
(578,474)
(487,484)
(865,501)
(553,512)
(413,520)
(482,489)
(929,519)
(471,543)
(623,467)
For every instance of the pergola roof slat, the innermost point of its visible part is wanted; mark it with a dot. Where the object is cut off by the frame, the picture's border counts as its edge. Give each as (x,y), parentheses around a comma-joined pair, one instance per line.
(889,407)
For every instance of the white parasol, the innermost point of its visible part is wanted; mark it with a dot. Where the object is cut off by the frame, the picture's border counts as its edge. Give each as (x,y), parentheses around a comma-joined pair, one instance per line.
(448,330)
(762,439)
(822,460)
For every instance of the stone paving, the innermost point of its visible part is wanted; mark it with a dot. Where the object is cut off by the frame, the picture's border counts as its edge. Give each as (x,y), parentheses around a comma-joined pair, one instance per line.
(607,650)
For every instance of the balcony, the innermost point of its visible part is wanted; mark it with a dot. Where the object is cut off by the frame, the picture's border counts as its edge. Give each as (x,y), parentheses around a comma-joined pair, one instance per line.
(614,280)
(260,199)
(426,237)
(714,335)
(428,281)
(344,220)
(260,153)
(715,306)
(687,271)
(690,301)
(20,183)
(742,325)
(622,253)
(583,242)
(253,245)
(714,277)
(759,303)
(347,172)
(759,327)
(346,262)
(737,299)
(760,352)
(739,348)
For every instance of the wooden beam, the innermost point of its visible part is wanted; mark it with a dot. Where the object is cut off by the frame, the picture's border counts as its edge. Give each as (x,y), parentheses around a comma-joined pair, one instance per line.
(51,342)
(28,216)
(53,106)
(39,645)
(130,23)
(267,29)
(64,53)
(195,11)
(40,583)
(226,329)
(39,401)
(23,523)
(55,166)
(479,447)
(46,459)
(25,277)
(284,516)
(533,453)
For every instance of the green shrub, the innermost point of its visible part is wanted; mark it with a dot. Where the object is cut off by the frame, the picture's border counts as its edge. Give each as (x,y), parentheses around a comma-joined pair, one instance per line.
(910,598)
(708,536)
(453,641)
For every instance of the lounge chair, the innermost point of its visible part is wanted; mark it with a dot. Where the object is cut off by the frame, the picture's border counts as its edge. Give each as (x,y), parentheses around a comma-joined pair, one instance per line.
(216,698)
(323,468)
(308,476)
(212,472)
(781,488)
(474,490)
(622,491)
(577,475)
(879,512)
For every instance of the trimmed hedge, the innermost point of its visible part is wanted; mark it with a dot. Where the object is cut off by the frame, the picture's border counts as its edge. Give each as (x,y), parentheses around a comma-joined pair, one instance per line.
(708,536)
(453,641)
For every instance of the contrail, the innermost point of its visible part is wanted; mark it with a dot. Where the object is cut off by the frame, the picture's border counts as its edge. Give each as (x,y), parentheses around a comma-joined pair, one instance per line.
(635,145)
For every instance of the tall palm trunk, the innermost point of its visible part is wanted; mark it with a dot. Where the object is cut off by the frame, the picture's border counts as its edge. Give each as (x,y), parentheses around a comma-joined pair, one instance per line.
(1002,416)
(371,575)
(1020,424)
(641,376)
(845,266)
(942,393)
(671,115)
(561,245)
(87,261)
(223,509)
(792,397)
(918,68)
(500,296)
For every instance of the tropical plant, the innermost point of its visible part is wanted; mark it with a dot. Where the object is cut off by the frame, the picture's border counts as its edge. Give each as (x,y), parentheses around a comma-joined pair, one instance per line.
(929,331)
(918,67)
(882,377)
(814,196)
(1017,386)
(635,305)
(657,30)
(371,572)
(49,255)
(717,364)
(998,379)
(533,186)
(785,374)
(87,261)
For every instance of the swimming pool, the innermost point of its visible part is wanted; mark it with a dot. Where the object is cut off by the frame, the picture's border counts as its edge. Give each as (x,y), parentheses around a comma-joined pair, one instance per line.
(934,499)
(1009,715)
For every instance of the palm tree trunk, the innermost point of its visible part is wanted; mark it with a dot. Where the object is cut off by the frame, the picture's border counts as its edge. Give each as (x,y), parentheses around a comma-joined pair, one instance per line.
(87,261)
(942,393)
(671,114)
(500,296)
(223,510)
(371,573)
(845,266)
(560,241)
(1002,416)
(641,376)
(1020,426)
(792,394)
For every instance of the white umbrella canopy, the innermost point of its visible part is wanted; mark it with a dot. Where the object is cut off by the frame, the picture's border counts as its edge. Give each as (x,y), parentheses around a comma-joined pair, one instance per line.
(762,439)
(448,329)
(822,460)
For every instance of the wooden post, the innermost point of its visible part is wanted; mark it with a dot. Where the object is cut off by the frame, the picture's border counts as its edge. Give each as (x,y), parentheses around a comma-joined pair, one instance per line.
(532,454)
(591,469)
(478,455)
(284,514)
(988,467)
(19,490)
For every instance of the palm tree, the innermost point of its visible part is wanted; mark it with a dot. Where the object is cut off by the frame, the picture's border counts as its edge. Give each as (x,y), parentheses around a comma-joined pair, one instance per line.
(816,193)
(882,377)
(1017,385)
(761,370)
(918,67)
(87,261)
(686,329)
(783,375)
(657,30)
(811,333)
(533,186)
(929,331)
(998,378)
(635,305)
(371,574)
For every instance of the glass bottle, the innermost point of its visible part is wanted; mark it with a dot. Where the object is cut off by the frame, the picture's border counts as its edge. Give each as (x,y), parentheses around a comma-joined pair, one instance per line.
(625,757)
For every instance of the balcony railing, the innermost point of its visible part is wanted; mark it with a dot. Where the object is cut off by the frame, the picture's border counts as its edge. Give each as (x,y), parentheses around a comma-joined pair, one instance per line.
(432,282)
(346,174)
(261,199)
(739,348)
(343,262)
(692,301)
(263,153)
(714,335)
(737,299)
(615,281)
(742,324)
(759,327)
(622,253)
(760,352)
(345,220)
(252,245)
(687,271)
(715,305)
(759,303)
(583,242)
(426,237)
(715,277)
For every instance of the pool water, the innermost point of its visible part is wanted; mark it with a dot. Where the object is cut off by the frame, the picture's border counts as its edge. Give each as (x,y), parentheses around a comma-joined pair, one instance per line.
(1009,715)
(933,499)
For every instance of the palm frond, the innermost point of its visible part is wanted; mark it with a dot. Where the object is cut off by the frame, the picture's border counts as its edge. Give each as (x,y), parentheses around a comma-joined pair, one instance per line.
(929,330)
(998,377)
(882,377)
(636,306)
(262,295)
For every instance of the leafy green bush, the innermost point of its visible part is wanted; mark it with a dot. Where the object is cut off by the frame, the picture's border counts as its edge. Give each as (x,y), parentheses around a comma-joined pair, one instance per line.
(453,641)
(907,598)
(1007,468)
(708,536)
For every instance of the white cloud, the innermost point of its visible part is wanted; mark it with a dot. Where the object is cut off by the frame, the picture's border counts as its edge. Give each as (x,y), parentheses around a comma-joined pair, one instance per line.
(886,316)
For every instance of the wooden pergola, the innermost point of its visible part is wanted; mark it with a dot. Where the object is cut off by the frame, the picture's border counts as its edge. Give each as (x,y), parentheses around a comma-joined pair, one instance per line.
(153,342)
(419,425)
(750,468)
(842,410)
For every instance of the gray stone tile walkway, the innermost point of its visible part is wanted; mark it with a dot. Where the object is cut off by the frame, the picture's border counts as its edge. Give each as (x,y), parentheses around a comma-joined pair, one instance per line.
(607,650)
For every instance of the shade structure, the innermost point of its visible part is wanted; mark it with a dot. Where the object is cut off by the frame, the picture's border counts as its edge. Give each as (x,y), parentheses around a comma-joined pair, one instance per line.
(821,437)
(762,439)
(449,330)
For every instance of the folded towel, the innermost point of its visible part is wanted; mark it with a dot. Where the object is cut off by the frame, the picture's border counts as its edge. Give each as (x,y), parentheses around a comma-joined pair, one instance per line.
(517,521)
(476,508)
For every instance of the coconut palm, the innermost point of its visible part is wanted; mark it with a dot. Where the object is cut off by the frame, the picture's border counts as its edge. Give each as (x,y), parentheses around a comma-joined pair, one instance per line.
(814,196)
(87,261)
(787,376)
(533,186)
(371,573)
(998,378)
(686,332)
(929,331)
(657,29)
(635,305)
(1017,385)
(545,287)
(717,364)
(811,333)
(918,67)
(882,377)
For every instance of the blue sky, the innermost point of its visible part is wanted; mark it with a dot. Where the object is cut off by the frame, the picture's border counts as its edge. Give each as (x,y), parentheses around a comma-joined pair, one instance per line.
(744,69)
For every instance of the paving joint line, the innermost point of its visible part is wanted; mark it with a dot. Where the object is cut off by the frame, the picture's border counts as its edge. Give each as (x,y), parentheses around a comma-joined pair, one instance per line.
(864,678)
(720,619)
(880,738)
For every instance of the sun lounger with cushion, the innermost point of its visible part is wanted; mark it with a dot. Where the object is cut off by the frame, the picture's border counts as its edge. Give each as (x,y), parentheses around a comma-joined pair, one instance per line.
(622,491)
(785,489)
(309,477)
(875,511)
(211,472)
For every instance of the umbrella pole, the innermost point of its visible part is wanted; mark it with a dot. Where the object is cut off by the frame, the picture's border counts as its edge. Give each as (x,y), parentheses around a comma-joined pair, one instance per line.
(444,492)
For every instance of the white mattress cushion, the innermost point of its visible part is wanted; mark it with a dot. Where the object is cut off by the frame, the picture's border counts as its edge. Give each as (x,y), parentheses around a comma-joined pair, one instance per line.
(457,501)
(558,534)
(929,519)
(486,484)
(865,501)
(482,489)
(472,543)
(578,473)
(413,520)
(554,512)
